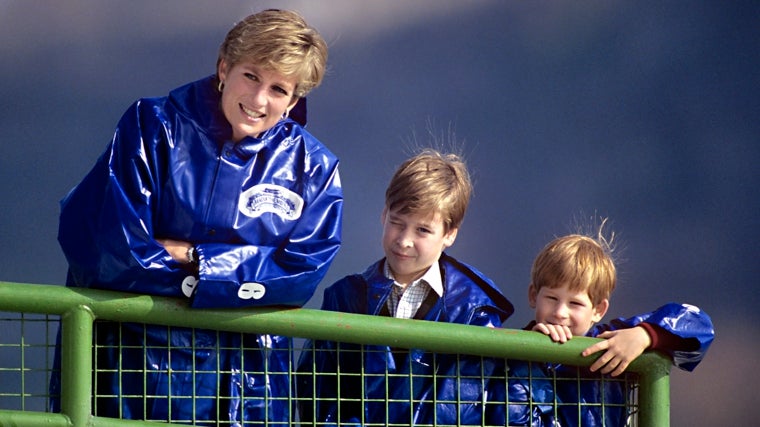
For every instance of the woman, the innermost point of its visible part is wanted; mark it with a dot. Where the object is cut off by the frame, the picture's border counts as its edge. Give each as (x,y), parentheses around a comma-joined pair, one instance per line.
(217,194)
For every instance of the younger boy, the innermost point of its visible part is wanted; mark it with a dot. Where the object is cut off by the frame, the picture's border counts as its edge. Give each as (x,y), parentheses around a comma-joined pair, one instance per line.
(571,282)
(425,204)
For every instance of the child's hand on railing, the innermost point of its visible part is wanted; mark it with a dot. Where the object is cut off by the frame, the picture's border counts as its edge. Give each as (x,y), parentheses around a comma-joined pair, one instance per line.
(558,333)
(621,347)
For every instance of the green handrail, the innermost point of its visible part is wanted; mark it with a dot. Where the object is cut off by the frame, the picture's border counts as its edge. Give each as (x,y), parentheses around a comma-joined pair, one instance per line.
(79,307)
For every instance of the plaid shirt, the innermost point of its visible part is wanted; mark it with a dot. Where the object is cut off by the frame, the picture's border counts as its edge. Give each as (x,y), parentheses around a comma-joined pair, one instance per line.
(404,301)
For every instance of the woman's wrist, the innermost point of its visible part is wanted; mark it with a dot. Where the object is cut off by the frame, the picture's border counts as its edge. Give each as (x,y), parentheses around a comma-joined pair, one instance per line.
(192,255)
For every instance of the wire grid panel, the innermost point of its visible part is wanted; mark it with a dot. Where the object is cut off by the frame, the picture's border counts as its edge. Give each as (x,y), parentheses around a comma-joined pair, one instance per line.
(383,386)
(205,377)
(27,345)
(198,376)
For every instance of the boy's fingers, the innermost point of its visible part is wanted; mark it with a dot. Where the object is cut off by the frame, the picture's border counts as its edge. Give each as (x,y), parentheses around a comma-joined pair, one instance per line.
(594,348)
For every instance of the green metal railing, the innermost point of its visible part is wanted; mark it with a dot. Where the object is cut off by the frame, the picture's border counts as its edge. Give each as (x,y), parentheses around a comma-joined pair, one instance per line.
(78,309)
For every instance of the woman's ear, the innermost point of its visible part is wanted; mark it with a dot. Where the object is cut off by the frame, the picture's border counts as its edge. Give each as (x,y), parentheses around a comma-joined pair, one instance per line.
(221,70)
(292,104)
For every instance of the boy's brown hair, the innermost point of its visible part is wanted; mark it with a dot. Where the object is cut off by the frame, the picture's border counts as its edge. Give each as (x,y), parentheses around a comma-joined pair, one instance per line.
(581,262)
(431,182)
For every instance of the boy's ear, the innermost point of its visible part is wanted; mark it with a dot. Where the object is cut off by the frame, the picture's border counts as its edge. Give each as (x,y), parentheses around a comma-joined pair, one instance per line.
(532,296)
(382,215)
(600,310)
(449,238)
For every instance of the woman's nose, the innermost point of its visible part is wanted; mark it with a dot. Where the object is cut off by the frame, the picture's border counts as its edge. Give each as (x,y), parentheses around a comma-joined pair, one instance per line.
(260,95)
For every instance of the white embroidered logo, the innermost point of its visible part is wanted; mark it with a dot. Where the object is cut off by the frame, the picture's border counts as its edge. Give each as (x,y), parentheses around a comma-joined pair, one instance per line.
(188,285)
(251,290)
(270,198)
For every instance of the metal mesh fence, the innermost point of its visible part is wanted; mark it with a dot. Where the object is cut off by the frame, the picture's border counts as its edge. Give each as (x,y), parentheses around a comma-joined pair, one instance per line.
(139,372)
(27,342)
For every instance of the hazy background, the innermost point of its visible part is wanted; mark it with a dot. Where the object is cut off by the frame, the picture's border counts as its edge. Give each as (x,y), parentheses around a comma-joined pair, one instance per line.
(646,112)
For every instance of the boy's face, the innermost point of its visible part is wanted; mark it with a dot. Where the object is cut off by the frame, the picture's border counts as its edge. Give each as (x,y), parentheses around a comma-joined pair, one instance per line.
(413,242)
(561,306)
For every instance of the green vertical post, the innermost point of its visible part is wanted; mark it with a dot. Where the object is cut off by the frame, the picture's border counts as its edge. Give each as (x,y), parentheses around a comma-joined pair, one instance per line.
(76,364)
(654,392)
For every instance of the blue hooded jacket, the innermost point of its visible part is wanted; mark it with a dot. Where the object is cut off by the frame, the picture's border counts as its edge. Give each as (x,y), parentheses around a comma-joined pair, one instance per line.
(456,395)
(695,333)
(264,215)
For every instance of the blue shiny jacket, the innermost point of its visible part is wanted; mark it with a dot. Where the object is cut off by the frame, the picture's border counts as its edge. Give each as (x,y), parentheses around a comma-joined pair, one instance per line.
(264,214)
(469,298)
(691,325)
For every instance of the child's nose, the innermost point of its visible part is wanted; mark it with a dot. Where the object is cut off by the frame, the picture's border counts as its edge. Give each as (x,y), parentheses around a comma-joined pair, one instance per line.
(404,240)
(561,311)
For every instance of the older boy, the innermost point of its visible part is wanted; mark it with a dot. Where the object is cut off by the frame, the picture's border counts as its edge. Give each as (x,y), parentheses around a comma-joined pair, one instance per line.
(425,204)
(571,282)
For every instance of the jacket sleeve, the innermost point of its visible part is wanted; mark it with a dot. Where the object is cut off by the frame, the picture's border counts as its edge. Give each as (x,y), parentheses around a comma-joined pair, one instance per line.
(105,227)
(687,322)
(286,272)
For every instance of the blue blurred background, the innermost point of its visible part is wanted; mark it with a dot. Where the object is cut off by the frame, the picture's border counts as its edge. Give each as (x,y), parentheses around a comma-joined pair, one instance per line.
(645,112)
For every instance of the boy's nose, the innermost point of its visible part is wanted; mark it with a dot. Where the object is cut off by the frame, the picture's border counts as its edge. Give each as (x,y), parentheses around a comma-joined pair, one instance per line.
(403,240)
(561,311)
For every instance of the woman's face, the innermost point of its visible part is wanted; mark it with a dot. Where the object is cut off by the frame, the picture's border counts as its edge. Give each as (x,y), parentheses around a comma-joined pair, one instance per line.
(254,98)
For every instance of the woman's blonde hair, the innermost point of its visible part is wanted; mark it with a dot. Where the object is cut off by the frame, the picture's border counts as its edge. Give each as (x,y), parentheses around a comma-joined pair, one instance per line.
(279,40)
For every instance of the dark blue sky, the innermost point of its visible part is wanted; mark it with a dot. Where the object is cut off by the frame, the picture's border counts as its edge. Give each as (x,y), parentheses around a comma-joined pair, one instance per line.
(644,112)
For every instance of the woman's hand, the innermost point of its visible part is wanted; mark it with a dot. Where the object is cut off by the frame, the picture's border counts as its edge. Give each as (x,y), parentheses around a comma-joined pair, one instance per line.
(177,249)
(620,348)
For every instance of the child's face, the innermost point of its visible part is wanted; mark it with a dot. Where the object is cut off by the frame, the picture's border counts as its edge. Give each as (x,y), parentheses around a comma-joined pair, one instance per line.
(561,306)
(413,242)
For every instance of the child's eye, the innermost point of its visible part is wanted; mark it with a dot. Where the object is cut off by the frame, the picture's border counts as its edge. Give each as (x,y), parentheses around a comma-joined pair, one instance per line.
(251,76)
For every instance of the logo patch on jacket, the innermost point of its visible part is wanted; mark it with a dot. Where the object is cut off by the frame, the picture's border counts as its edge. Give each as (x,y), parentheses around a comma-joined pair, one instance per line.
(270,198)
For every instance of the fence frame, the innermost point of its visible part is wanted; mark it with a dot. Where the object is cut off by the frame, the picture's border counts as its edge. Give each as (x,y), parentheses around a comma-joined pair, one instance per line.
(78,309)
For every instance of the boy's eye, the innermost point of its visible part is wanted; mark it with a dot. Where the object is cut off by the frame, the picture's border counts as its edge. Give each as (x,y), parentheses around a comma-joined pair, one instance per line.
(396,224)
(424,230)
(250,76)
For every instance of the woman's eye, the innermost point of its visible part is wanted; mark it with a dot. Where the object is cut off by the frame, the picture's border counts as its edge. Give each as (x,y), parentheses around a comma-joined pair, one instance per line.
(250,76)
(280,90)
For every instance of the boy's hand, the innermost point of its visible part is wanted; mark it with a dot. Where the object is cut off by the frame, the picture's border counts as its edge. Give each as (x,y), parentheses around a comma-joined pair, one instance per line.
(558,333)
(620,348)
